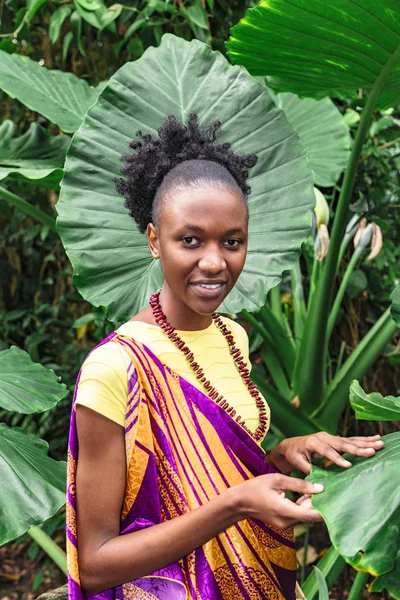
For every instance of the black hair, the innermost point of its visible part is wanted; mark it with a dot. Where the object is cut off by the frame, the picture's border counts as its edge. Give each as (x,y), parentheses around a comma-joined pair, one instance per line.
(183,155)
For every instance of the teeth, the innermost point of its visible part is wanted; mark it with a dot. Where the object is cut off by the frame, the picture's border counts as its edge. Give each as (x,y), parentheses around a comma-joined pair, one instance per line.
(209,286)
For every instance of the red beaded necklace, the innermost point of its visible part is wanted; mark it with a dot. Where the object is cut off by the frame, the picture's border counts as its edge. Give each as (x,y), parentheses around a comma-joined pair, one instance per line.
(241,365)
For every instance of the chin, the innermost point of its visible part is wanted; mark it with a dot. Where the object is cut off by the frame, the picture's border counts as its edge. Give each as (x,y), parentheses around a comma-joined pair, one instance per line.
(204,305)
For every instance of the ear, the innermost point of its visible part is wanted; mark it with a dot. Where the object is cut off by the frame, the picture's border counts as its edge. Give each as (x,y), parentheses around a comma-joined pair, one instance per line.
(152,240)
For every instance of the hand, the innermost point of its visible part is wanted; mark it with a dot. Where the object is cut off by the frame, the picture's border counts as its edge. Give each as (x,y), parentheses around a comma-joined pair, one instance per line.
(263,498)
(298,452)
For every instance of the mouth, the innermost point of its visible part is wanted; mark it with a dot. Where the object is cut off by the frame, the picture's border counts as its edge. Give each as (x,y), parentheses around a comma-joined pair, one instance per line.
(208,289)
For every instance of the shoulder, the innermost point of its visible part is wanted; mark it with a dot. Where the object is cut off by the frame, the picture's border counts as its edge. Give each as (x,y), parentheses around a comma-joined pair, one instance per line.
(106,363)
(108,354)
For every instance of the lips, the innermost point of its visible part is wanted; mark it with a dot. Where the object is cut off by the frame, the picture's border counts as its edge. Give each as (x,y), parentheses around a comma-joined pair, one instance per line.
(208,289)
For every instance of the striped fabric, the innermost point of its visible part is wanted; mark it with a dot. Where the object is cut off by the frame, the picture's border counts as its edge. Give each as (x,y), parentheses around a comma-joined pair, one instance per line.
(182,450)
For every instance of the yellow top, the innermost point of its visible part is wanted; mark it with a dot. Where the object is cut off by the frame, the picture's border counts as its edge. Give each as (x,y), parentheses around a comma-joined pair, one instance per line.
(103,385)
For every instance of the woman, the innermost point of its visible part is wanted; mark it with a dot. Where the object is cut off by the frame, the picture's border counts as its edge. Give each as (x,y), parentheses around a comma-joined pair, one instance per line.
(172,493)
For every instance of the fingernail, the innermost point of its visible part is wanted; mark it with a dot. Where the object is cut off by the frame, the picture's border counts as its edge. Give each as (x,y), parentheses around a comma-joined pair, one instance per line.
(318,487)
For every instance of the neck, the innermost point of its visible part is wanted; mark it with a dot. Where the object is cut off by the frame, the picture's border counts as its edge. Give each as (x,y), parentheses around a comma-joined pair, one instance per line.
(180,315)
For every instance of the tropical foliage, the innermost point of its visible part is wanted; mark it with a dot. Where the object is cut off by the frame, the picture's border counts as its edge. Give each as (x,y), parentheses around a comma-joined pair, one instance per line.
(101,72)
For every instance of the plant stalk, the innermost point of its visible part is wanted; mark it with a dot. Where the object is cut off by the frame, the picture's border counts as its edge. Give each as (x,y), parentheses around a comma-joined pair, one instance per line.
(284,341)
(275,370)
(275,344)
(304,563)
(359,361)
(358,586)
(331,565)
(309,374)
(28,208)
(288,419)
(299,304)
(49,546)
(341,291)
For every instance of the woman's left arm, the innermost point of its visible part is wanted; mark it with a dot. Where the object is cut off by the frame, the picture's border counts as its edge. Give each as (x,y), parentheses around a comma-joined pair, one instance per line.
(298,452)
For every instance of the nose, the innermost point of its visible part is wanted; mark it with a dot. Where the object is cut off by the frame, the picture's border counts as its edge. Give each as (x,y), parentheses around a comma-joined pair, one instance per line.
(212,260)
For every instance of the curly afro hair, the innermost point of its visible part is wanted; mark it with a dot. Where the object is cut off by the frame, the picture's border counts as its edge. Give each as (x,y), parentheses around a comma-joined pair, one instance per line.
(181,156)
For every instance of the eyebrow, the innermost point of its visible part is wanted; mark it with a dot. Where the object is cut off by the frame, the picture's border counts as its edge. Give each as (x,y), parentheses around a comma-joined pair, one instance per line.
(201,230)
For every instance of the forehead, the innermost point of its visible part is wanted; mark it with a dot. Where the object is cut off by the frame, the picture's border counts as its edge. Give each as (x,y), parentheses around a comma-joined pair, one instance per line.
(207,207)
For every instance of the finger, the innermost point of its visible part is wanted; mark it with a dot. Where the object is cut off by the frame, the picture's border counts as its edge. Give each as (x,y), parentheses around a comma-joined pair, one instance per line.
(365,438)
(367,443)
(328,452)
(282,482)
(300,514)
(303,499)
(306,503)
(348,445)
(300,462)
(357,450)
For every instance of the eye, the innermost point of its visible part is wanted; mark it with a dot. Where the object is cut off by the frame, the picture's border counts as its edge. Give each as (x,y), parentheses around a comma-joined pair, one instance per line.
(189,240)
(233,243)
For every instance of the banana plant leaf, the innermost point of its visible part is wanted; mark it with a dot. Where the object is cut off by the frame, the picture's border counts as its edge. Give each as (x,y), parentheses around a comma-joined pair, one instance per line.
(61,97)
(322,133)
(25,386)
(35,155)
(361,507)
(320,49)
(374,406)
(112,264)
(32,484)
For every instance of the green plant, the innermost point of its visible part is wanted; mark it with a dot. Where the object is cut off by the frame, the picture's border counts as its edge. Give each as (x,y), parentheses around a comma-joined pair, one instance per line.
(364,532)
(294,63)
(33,484)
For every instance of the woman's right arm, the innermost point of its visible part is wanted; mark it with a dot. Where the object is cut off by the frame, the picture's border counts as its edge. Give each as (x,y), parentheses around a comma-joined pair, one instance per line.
(107,559)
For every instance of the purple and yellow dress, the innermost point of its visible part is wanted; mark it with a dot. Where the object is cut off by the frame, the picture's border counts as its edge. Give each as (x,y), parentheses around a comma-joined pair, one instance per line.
(182,450)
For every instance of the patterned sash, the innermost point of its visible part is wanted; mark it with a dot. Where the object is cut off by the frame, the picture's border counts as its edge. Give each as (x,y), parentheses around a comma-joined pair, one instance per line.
(183,450)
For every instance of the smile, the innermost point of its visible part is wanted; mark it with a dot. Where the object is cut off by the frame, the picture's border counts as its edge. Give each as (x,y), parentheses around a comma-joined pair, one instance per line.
(209,290)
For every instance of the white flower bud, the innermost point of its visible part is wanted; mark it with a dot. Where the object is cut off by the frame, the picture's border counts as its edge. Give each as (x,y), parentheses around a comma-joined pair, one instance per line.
(321,209)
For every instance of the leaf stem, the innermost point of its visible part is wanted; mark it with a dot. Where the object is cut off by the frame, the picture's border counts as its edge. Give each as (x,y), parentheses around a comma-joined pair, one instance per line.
(358,586)
(49,546)
(299,305)
(28,208)
(359,361)
(342,288)
(304,563)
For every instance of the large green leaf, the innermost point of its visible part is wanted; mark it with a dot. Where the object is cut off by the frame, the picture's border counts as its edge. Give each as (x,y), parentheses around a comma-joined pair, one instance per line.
(389,581)
(34,155)
(322,133)
(32,484)
(61,97)
(112,263)
(374,406)
(361,507)
(25,386)
(321,48)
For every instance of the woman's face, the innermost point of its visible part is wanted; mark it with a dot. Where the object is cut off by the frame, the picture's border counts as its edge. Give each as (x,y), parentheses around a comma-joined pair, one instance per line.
(201,241)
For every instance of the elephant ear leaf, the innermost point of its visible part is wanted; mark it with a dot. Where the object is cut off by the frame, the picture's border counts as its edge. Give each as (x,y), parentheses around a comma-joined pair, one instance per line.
(374,406)
(25,386)
(321,49)
(361,507)
(322,133)
(32,484)
(35,156)
(63,98)
(112,264)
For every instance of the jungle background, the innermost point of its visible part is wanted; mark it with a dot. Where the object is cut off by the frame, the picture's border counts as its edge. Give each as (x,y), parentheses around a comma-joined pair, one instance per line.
(43,313)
